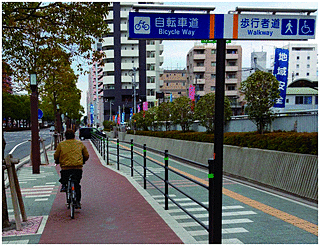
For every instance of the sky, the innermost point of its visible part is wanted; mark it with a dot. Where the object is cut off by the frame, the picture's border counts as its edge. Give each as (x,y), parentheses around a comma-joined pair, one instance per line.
(175,51)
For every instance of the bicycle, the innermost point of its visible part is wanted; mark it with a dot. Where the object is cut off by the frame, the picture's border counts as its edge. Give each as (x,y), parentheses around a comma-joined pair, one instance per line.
(71,196)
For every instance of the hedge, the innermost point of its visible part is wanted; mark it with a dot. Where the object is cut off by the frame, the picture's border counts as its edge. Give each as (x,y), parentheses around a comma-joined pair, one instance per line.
(304,143)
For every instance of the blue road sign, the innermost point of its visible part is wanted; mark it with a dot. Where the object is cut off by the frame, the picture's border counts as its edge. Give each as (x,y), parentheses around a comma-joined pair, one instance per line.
(168,26)
(178,26)
(40,114)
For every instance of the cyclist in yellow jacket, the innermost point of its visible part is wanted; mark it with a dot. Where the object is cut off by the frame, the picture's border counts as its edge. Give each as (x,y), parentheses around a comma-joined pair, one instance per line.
(71,154)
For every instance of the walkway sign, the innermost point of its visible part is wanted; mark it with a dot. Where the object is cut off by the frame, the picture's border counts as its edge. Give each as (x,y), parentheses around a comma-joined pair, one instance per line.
(174,26)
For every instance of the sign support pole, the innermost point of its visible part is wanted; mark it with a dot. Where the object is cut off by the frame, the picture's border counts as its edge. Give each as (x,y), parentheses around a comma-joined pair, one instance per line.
(215,201)
(35,145)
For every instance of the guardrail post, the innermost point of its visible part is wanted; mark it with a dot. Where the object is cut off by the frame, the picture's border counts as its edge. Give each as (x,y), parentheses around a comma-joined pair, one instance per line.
(118,158)
(166,177)
(107,151)
(131,157)
(104,148)
(144,166)
(211,201)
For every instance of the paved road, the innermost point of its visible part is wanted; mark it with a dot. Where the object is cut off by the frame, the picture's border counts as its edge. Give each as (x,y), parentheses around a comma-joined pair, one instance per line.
(250,215)
(22,138)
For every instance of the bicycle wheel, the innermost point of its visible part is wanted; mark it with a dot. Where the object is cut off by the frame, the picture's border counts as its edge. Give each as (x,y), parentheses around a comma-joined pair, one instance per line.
(73,200)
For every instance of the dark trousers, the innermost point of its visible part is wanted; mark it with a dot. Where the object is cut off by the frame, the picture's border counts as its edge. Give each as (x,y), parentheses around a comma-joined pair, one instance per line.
(77,176)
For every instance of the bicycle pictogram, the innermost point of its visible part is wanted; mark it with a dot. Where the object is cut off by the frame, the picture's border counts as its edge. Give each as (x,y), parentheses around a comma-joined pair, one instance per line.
(142,24)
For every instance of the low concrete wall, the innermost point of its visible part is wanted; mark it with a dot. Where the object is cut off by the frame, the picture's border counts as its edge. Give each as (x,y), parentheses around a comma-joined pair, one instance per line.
(294,173)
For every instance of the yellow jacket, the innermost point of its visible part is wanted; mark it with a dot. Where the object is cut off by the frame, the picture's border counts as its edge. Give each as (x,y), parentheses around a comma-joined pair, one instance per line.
(71,154)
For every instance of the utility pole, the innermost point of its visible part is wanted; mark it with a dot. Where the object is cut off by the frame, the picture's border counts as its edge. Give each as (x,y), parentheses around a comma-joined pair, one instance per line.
(133,74)
(97,93)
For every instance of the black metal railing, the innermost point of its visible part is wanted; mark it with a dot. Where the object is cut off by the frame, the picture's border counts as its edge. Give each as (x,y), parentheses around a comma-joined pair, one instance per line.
(138,159)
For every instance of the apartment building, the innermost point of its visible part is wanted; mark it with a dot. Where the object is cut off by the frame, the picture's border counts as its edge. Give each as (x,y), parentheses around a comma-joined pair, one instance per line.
(201,71)
(303,62)
(173,82)
(95,112)
(122,55)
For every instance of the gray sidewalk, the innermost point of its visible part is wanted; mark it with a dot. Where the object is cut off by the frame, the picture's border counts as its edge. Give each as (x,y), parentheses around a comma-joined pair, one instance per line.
(38,192)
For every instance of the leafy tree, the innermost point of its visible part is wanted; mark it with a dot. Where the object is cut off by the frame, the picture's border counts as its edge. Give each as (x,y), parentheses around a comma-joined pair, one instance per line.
(139,121)
(181,113)
(261,91)
(28,28)
(205,111)
(16,107)
(164,114)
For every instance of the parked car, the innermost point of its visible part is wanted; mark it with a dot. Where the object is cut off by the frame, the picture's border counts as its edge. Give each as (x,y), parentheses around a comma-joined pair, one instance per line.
(85,132)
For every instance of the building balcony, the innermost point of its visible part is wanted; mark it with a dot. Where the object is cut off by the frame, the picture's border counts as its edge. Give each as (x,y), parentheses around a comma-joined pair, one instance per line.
(199,81)
(151,73)
(199,56)
(232,68)
(125,40)
(232,93)
(108,41)
(232,56)
(109,54)
(108,67)
(109,16)
(108,80)
(126,79)
(199,69)
(231,81)
(151,47)
(151,60)
(124,14)
(123,27)
(127,66)
(129,53)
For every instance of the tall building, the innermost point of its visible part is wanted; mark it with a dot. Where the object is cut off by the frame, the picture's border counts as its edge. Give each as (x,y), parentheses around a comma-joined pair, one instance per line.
(303,64)
(173,82)
(201,72)
(95,112)
(122,55)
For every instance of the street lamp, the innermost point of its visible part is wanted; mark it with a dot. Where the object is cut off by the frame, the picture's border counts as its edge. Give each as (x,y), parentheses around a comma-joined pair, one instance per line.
(35,146)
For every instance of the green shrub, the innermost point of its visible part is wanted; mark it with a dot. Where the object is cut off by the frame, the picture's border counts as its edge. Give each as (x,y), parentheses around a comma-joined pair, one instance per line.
(304,143)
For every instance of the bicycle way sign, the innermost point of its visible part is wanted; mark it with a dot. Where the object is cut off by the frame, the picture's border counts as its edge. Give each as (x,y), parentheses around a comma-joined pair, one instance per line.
(178,26)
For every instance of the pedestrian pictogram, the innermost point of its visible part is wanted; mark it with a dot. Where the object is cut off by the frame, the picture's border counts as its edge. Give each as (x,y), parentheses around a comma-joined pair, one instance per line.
(289,26)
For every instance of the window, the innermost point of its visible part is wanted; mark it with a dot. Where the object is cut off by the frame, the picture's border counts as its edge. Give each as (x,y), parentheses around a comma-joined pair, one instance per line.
(298,66)
(308,65)
(213,76)
(213,88)
(231,88)
(213,52)
(307,100)
(307,74)
(298,57)
(308,57)
(299,99)
(213,64)
(303,99)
